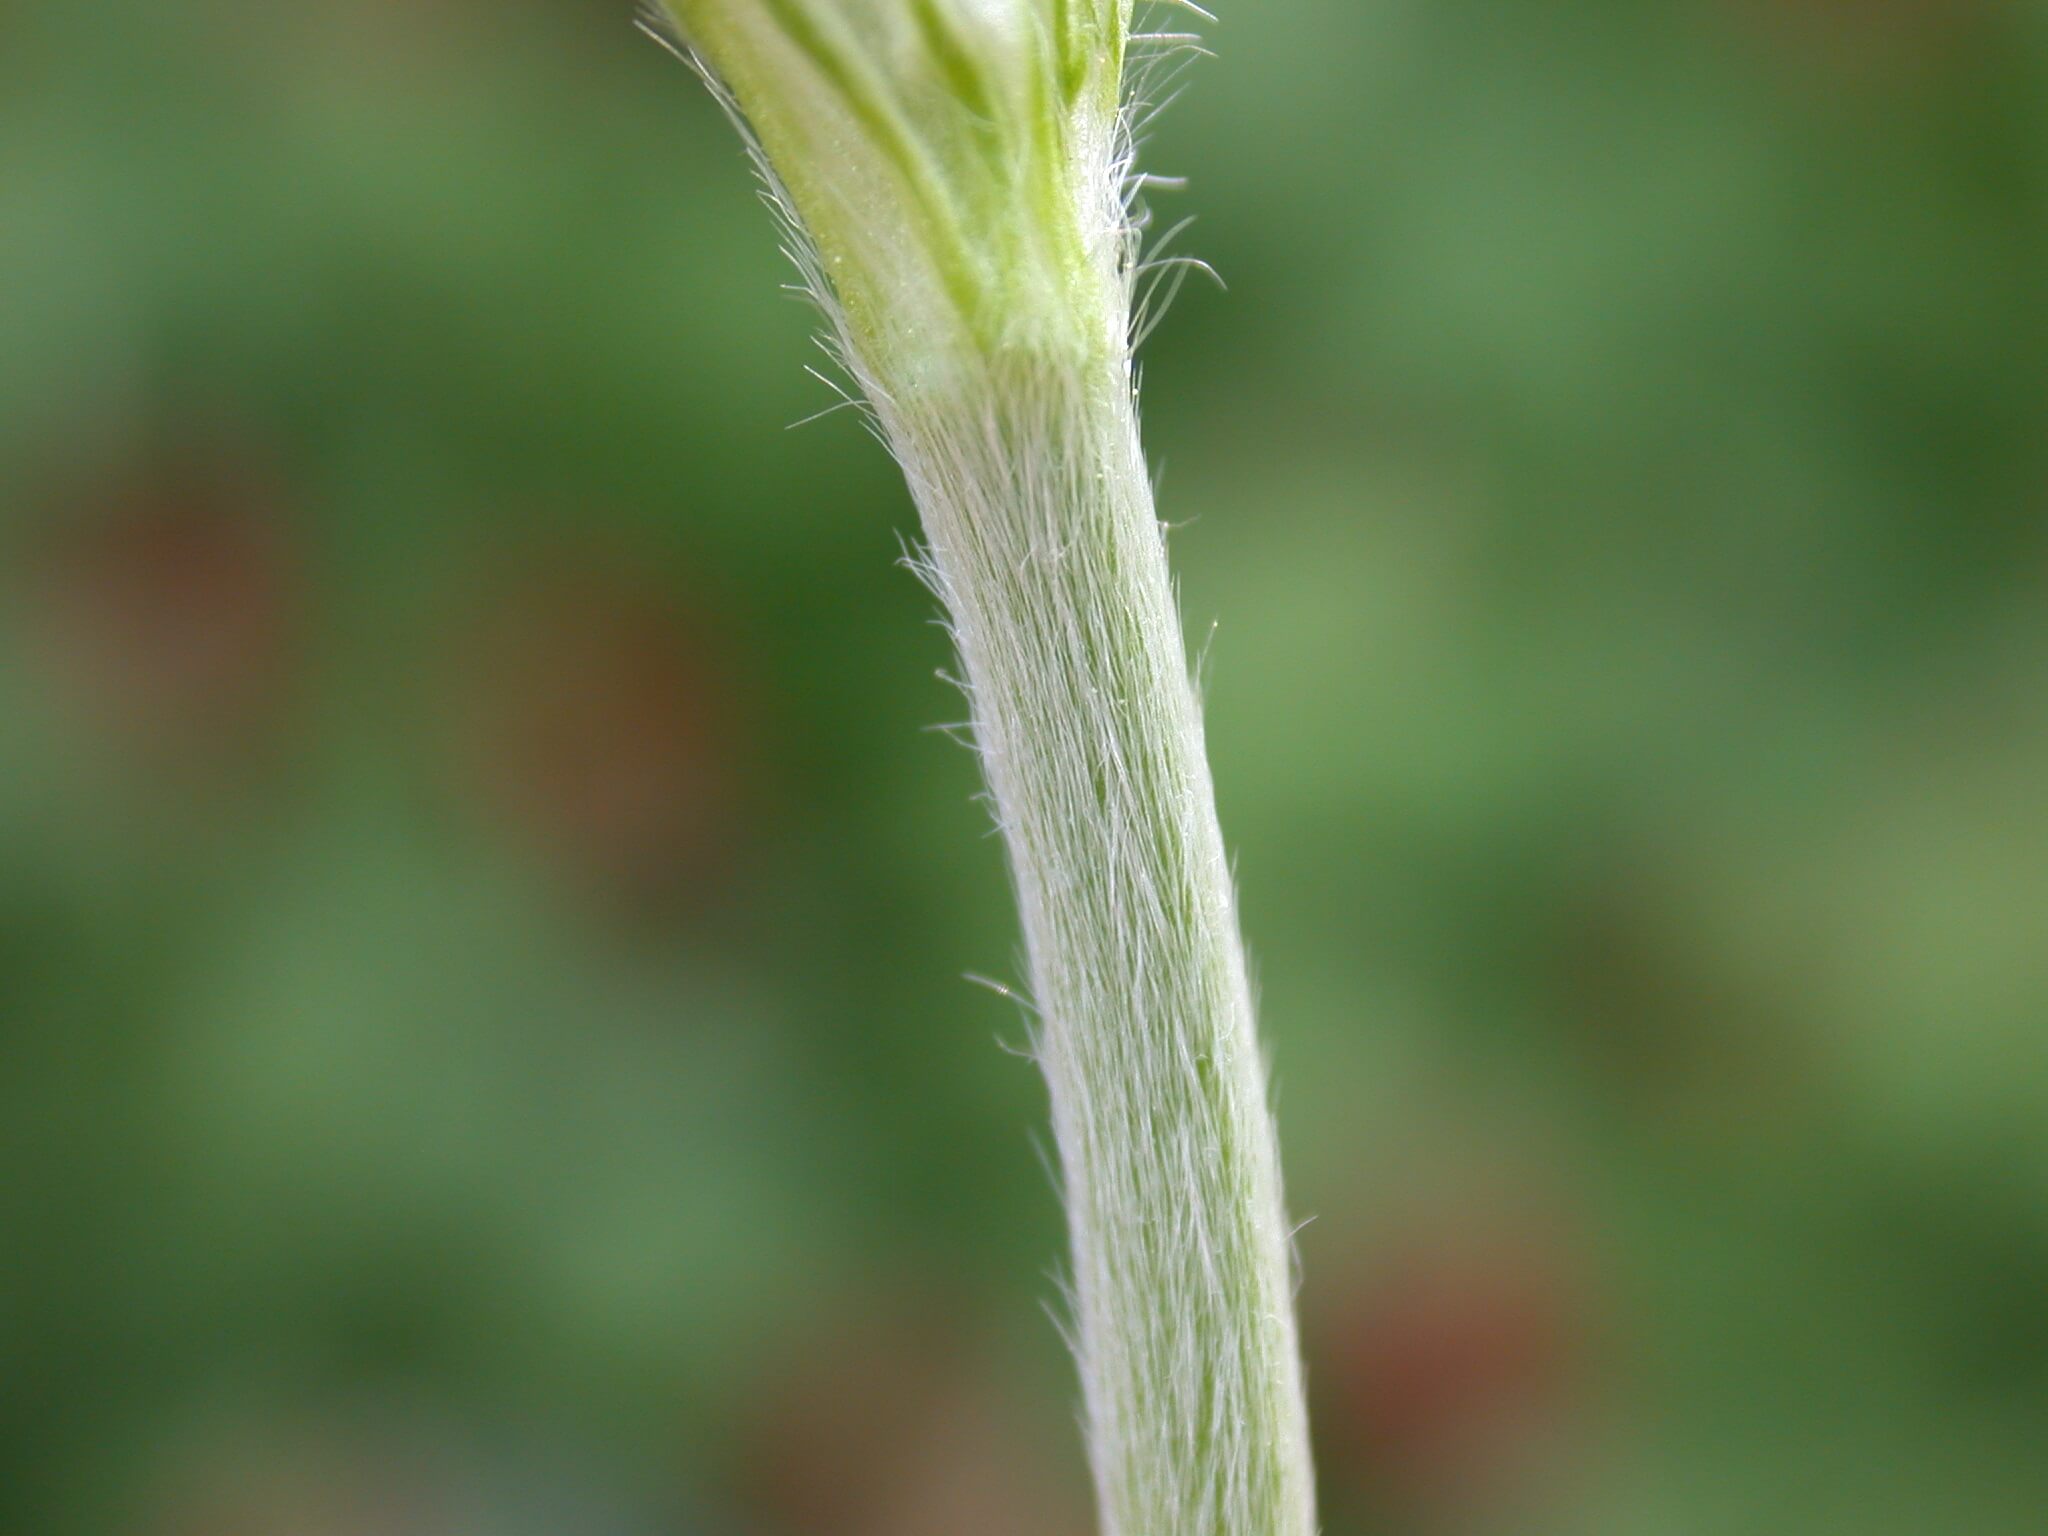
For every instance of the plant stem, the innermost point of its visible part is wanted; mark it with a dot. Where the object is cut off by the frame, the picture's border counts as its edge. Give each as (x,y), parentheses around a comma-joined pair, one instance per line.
(955,178)
(1046,551)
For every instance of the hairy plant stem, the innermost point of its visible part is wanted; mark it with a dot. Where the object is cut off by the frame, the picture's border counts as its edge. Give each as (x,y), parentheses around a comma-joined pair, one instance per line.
(1045,549)
(955,178)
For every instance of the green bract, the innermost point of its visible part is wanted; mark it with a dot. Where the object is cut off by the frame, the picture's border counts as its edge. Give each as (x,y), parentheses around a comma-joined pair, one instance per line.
(957,164)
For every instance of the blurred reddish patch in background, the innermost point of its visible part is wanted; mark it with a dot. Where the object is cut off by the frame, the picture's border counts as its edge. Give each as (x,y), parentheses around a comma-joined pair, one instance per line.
(1862,41)
(170,610)
(1455,1368)
(596,730)
(889,1418)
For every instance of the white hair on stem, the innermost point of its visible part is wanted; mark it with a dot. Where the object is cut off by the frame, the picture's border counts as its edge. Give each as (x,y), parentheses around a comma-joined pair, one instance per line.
(955,179)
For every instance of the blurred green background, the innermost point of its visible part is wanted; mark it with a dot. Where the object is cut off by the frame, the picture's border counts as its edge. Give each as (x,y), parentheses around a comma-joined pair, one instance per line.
(483,1049)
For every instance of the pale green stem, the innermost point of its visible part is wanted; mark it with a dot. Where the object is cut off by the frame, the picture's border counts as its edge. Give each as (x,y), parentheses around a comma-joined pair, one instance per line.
(1052,565)
(957,164)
